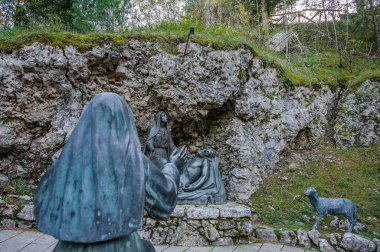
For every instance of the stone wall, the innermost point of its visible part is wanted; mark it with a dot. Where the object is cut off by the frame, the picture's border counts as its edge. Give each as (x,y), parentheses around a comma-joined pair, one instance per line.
(326,243)
(216,225)
(191,225)
(225,99)
(188,225)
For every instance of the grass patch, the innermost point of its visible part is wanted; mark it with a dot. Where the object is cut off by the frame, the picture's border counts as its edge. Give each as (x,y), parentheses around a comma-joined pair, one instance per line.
(172,33)
(311,69)
(18,186)
(16,38)
(317,69)
(349,174)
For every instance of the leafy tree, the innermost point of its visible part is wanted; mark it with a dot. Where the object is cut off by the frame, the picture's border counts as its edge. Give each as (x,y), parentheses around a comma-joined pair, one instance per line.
(217,12)
(232,12)
(77,15)
(48,11)
(8,9)
(99,15)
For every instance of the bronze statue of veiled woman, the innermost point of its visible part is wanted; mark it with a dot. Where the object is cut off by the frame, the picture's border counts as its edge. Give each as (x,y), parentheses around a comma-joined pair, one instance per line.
(159,144)
(93,197)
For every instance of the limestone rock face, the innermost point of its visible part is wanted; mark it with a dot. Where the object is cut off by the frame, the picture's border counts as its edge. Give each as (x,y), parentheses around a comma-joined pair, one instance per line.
(199,213)
(186,235)
(225,99)
(314,236)
(279,41)
(288,237)
(324,246)
(8,223)
(3,182)
(352,242)
(266,234)
(39,107)
(27,213)
(358,121)
(303,238)
(377,242)
(332,239)
(269,119)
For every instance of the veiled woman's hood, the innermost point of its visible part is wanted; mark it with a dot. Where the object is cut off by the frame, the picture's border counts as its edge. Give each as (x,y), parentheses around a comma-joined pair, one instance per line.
(95,191)
(156,126)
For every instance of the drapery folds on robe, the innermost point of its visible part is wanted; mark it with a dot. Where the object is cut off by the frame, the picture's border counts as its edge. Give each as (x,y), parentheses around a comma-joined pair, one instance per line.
(205,186)
(165,144)
(98,187)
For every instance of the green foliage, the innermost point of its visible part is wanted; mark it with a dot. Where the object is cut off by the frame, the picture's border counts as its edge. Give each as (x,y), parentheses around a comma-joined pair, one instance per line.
(100,15)
(19,203)
(49,11)
(243,74)
(72,15)
(18,186)
(227,13)
(16,38)
(303,69)
(169,32)
(318,69)
(217,13)
(349,174)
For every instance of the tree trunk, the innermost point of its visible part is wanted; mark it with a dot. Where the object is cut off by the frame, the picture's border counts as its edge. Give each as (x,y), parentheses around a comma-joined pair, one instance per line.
(376,26)
(326,21)
(209,14)
(338,50)
(286,30)
(264,15)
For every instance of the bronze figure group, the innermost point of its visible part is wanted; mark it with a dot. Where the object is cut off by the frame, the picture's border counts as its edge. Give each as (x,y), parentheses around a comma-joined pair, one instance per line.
(200,179)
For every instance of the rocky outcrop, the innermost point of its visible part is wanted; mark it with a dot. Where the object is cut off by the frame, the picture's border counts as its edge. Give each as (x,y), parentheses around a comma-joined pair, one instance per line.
(266,235)
(314,236)
(17,211)
(356,243)
(224,99)
(324,246)
(39,107)
(288,237)
(358,120)
(280,41)
(303,238)
(3,182)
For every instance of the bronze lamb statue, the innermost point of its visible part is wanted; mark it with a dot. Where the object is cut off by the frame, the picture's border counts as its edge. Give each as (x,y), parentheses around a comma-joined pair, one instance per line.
(337,206)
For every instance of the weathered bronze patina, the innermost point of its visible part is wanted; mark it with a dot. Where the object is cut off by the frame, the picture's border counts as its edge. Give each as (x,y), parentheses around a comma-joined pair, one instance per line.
(93,197)
(333,206)
(159,144)
(200,181)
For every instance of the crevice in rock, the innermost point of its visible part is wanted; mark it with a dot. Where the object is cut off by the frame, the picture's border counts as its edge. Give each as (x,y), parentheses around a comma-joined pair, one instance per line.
(301,142)
(67,69)
(198,129)
(332,116)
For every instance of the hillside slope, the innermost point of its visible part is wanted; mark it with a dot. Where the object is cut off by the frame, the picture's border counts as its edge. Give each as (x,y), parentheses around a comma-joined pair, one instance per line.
(352,174)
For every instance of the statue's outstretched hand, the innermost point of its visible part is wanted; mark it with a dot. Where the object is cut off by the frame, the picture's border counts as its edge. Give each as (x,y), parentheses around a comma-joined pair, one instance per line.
(178,157)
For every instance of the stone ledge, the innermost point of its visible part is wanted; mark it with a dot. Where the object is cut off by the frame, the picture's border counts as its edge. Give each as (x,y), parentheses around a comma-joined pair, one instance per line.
(201,212)
(201,225)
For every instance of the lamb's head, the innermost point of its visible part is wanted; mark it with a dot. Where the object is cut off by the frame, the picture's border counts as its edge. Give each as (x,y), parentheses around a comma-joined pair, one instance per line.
(311,192)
